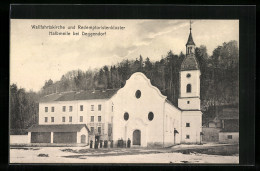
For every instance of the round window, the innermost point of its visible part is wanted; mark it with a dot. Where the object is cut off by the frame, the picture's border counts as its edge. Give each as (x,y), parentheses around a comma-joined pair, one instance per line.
(150,116)
(188,75)
(138,94)
(126,116)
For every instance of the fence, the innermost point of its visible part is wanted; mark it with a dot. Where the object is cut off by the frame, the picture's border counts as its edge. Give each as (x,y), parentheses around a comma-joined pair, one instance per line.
(18,139)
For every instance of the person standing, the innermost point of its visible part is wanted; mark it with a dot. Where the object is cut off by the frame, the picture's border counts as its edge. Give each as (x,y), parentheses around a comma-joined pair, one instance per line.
(128,143)
(96,144)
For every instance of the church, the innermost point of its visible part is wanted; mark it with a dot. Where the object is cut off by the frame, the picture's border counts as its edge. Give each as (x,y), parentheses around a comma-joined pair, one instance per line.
(138,111)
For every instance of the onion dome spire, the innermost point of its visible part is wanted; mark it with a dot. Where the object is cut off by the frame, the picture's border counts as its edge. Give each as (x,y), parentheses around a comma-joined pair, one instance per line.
(190,61)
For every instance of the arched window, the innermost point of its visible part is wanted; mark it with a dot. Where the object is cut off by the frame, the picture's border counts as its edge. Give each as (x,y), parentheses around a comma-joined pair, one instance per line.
(188,88)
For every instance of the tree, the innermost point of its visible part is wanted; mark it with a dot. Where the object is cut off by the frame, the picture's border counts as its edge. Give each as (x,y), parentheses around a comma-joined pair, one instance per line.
(23,109)
(219,81)
(141,63)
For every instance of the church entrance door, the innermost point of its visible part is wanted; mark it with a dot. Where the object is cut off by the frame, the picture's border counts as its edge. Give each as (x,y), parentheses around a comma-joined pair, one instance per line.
(137,137)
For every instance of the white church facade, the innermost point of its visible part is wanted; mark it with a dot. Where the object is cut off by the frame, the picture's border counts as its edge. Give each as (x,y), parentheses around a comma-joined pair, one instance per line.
(138,112)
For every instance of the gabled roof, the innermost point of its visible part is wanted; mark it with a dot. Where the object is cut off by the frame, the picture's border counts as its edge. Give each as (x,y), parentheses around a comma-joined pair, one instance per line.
(230,129)
(50,97)
(83,95)
(57,128)
(229,113)
(189,63)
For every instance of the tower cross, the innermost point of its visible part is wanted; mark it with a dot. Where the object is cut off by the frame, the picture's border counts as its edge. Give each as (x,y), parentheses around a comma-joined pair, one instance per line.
(190,25)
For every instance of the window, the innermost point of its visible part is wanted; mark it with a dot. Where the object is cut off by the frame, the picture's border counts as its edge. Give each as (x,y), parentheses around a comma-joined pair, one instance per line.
(81,118)
(92,107)
(52,119)
(70,119)
(112,108)
(99,118)
(188,88)
(126,116)
(81,107)
(229,136)
(188,102)
(46,119)
(187,136)
(92,129)
(92,118)
(63,119)
(64,108)
(99,107)
(52,109)
(99,130)
(188,75)
(138,94)
(150,116)
(187,124)
(70,108)
(46,109)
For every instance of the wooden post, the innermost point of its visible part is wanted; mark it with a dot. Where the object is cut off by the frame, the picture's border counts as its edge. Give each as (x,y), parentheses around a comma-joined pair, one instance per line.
(51,137)
(29,137)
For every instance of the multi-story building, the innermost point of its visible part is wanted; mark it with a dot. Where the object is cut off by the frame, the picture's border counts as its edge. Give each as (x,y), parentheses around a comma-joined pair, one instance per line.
(138,112)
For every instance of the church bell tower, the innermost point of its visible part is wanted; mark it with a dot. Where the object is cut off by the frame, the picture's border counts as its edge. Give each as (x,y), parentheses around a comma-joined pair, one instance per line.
(189,98)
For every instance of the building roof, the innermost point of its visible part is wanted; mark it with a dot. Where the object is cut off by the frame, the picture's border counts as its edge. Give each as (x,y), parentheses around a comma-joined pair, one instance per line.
(190,40)
(83,95)
(229,113)
(50,97)
(189,63)
(170,103)
(57,128)
(230,129)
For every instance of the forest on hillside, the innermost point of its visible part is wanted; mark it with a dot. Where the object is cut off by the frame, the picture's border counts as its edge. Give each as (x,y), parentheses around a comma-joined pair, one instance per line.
(219,82)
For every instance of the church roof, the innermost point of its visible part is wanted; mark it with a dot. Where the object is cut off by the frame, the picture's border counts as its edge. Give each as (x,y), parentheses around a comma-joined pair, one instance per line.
(57,128)
(189,63)
(83,95)
(190,40)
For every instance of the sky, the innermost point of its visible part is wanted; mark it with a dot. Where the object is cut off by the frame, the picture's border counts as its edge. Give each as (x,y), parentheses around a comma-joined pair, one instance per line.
(36,56)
